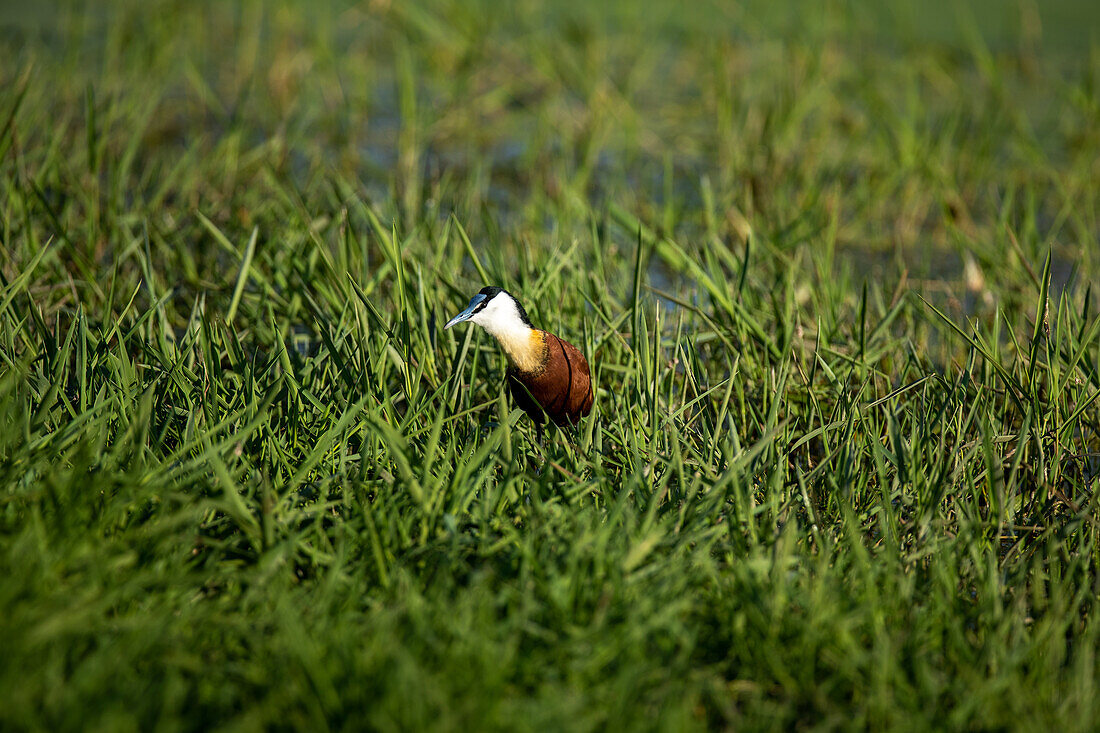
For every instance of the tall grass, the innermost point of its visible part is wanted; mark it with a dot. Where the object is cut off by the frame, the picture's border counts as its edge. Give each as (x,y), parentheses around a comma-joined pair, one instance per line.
(834,281)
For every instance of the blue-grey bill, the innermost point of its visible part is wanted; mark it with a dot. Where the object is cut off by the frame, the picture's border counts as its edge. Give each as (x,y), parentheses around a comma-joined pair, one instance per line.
(465,315)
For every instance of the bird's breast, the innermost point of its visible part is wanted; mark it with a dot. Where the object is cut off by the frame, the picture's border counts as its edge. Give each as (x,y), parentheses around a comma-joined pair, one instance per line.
(527,351)
(560,386)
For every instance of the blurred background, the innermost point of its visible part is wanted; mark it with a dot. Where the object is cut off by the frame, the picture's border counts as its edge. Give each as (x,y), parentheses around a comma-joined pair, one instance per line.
(916,130)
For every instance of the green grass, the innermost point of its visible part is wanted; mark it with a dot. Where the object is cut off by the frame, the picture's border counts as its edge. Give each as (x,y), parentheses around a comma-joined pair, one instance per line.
(833,268)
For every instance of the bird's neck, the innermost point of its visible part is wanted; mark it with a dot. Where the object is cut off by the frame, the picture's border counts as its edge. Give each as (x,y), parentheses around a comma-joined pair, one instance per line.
(524,346)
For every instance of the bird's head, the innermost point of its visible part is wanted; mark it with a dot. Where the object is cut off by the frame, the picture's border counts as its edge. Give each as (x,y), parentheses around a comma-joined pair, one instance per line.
(495,310)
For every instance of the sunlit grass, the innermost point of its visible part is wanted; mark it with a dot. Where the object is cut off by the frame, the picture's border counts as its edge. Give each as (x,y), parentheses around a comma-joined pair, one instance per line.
(834,280)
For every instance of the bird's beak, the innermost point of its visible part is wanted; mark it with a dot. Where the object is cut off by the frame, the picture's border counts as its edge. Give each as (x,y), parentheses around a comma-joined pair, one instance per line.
(466,314)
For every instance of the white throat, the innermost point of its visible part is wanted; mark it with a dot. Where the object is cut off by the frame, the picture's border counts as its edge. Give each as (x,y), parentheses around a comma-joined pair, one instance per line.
(501,317)
(520,343)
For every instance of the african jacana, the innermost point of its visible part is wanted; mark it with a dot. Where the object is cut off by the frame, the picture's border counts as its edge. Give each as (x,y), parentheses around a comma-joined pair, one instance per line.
(548,377)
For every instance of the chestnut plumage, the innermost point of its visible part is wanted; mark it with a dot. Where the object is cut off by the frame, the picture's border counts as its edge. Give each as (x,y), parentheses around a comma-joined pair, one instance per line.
(561,390)
(547,376)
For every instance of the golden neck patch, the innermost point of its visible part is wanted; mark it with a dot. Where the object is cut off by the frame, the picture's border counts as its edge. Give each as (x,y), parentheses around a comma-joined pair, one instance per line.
(526,350)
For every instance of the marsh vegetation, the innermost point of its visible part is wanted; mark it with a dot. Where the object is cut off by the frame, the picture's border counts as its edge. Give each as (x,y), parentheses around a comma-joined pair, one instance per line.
(833,271)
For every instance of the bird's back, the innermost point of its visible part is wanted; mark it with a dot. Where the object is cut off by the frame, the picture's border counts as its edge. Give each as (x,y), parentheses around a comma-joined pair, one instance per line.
(560,390)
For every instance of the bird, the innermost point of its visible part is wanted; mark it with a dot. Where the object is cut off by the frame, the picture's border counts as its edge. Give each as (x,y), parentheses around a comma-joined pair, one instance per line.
(547,376)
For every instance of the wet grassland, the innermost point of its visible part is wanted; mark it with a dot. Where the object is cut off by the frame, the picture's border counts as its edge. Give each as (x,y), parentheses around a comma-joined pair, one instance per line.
(834,271)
